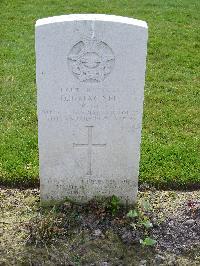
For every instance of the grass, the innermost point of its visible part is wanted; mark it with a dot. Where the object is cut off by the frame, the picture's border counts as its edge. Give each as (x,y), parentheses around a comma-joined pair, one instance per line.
(171,132)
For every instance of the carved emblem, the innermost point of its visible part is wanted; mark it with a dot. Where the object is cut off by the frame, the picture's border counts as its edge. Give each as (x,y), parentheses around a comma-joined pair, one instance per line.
(91,60)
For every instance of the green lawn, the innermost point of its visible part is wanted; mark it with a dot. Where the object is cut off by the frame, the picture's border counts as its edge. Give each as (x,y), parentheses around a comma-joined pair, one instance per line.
(170,152)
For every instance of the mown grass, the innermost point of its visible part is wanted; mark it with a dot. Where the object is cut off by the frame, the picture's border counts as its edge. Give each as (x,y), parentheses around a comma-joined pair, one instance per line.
(171,132)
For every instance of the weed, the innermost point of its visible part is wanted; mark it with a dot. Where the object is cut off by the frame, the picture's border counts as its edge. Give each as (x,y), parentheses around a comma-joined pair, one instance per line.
(140,218)
(132,214)
(113,204)
(148,241)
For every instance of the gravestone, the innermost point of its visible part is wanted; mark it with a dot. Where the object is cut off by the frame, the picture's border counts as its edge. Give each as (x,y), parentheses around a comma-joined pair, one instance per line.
(90,80)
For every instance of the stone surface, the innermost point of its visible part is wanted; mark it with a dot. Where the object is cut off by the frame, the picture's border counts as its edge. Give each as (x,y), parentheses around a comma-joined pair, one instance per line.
(90,80)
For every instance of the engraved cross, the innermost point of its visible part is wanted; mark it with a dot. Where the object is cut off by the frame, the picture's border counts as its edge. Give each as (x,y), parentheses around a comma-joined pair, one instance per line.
(89,146)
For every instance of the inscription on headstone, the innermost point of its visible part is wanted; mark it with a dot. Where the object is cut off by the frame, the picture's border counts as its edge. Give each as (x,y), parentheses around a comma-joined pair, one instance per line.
(90,80)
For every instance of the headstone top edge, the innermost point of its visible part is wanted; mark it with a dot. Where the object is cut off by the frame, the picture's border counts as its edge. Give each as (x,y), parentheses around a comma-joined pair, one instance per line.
(93,17)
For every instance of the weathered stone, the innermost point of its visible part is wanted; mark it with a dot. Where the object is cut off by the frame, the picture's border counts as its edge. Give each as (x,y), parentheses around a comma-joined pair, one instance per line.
(90,80)
(189,222)
(97,232)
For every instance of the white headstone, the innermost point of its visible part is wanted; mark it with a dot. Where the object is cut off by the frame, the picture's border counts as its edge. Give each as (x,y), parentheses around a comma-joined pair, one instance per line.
(90,80)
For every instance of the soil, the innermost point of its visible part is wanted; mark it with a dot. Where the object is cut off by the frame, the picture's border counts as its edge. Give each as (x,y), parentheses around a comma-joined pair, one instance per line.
(100,232)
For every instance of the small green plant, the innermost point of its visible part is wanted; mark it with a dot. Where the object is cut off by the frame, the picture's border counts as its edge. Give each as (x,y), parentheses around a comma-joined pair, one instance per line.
(132,214)
(147,224)
(146,205)
(140,219)
(114,204)
(148,241)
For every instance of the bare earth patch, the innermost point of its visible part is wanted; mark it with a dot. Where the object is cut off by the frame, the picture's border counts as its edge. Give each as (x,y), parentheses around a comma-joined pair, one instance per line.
(93,234)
